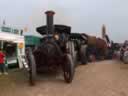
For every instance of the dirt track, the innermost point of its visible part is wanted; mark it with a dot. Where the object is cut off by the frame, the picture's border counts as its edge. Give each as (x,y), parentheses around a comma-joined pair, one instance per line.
(106,78)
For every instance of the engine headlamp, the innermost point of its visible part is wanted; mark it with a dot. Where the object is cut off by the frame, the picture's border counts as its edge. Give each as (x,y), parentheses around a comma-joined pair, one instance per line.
(56,36)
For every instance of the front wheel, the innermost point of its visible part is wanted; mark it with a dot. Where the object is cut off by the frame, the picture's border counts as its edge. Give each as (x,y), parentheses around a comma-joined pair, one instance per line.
(32,66)
(83,57)
(68,69)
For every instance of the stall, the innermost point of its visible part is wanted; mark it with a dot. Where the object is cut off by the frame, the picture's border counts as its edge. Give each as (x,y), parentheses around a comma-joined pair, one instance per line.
(14,47)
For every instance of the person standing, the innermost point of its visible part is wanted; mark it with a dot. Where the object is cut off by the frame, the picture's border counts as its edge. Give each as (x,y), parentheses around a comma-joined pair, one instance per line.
(2,63)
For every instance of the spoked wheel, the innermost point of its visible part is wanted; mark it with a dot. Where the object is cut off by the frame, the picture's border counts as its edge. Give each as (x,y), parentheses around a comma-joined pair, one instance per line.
(83,57)
(32,66)
(68,69)
(72,51)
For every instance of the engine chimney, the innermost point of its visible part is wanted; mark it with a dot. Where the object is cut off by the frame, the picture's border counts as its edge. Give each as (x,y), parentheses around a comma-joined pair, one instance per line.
(50,25)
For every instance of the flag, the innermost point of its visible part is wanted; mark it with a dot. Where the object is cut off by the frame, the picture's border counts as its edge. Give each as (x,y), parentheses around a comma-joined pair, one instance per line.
(103,31)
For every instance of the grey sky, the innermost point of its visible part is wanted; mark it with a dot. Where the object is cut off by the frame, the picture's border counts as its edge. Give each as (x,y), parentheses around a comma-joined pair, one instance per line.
(83,15)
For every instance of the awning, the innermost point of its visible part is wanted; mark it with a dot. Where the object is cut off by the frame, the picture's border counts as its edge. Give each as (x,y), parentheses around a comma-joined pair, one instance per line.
(9,37)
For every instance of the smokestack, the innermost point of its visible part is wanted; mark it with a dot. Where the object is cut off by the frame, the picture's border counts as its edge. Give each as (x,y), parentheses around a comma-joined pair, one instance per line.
(50,25)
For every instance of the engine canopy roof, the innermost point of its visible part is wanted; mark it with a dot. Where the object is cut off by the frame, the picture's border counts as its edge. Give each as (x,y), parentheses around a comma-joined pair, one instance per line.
(57,28)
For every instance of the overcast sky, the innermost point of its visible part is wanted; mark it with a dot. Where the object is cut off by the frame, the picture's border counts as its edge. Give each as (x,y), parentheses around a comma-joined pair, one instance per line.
(83,15)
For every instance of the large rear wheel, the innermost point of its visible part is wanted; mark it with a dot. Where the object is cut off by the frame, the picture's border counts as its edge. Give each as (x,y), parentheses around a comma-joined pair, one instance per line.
(68,69)
(71,47)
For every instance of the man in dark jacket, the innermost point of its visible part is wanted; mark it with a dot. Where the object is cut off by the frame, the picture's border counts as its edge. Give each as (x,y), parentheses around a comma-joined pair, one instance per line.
(2,63)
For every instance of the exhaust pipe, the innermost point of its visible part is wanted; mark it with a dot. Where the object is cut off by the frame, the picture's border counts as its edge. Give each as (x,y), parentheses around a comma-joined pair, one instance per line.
(50,24)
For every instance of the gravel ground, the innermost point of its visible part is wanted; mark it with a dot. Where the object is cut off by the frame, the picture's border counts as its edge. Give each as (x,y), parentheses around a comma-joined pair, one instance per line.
(105,78)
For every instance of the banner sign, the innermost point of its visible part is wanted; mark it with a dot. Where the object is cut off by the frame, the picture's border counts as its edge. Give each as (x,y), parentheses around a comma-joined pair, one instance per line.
(10,30)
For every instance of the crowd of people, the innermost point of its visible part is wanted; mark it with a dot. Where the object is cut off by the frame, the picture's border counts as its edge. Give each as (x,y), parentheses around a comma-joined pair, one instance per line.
(124,52)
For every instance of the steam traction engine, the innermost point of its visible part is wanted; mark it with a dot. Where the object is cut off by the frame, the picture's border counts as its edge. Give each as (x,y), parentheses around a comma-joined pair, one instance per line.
(54,52)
